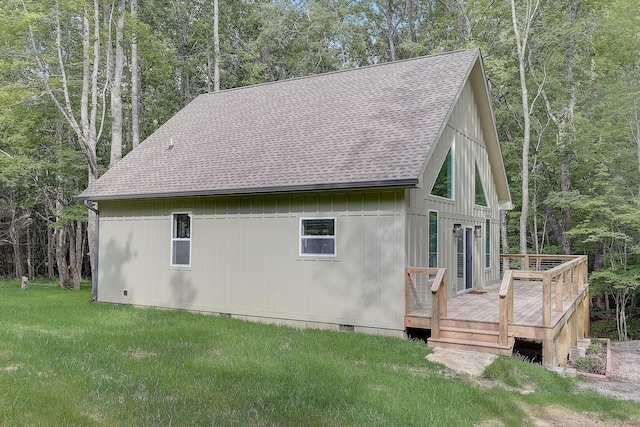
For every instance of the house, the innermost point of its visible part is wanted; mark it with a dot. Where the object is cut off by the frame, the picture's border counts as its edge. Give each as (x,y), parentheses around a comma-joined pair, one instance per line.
(303,201)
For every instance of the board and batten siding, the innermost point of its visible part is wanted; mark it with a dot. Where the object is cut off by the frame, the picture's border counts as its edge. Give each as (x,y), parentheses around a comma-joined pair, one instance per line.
(464,132)
(245,258)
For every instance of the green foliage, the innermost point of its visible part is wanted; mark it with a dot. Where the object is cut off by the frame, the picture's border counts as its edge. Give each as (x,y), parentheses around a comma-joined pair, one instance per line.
(584,364)
(611,279)
(443,186)
(480,197)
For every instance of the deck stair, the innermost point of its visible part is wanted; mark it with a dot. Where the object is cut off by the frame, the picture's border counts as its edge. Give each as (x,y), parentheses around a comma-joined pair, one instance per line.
(473,336)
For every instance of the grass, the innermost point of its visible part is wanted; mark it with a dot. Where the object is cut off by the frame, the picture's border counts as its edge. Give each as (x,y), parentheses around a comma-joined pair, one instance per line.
(66,362)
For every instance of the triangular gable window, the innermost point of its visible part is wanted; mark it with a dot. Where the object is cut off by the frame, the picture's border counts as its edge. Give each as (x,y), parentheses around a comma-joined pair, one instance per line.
(481,198)
(443,186)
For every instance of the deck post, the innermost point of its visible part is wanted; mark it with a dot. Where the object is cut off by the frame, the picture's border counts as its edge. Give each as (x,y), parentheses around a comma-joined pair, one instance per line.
(546,299)
(435,316)
(559,301)
(510,297)
(525,262)
(407,290)
(438,302)
(505,308)
(503,336)
(443,295)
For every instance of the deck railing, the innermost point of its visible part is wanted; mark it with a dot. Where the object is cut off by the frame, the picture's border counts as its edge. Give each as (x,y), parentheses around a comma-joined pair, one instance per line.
(562,276)
(418,281)
(567,272)
(532,262)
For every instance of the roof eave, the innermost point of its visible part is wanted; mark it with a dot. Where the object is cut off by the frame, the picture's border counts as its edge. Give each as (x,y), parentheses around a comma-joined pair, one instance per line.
(496,160)
(397,183)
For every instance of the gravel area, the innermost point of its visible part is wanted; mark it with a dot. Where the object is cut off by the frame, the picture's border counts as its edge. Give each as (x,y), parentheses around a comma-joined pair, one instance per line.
(625,373)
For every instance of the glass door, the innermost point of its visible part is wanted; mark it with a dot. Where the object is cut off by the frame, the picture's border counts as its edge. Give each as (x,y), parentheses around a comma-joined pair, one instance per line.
(464,264)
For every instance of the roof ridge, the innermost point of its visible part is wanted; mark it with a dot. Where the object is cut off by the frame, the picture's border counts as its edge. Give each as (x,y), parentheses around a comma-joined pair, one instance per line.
(334,72)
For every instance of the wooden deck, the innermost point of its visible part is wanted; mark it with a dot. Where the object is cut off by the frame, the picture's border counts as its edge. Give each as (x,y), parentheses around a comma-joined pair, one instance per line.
(482,306)
(550,306)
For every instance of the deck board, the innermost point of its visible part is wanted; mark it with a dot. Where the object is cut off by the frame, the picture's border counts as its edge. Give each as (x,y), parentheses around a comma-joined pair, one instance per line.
(483,305)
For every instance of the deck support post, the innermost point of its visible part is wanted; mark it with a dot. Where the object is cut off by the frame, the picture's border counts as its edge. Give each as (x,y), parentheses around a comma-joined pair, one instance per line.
(547,352)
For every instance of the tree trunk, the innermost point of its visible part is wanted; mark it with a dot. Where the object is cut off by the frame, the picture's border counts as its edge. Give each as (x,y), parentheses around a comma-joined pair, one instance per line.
(390,30)
(76,239)
(116,89)
(135,78)
(522,43)
(61,257)
(216,48)
(635,111)
(504,240)
(464,23)
(563,120)
(30,271)
(411,21)
(14,237)
(50,251)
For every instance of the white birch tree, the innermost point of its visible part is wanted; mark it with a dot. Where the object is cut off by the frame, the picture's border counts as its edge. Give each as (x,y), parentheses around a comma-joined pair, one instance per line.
(522,31)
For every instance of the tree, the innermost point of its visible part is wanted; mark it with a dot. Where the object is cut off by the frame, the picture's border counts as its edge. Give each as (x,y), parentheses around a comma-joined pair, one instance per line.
(216,48)
(116,88)
(522,31)
(135,77)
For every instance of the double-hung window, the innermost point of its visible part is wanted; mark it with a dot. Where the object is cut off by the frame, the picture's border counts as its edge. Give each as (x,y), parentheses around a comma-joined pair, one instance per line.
(181,239)
(318,236)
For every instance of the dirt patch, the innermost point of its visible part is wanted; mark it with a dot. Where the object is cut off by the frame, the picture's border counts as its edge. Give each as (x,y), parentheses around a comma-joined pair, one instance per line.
(555,416)
(552,416)
(623,384)
(625,373)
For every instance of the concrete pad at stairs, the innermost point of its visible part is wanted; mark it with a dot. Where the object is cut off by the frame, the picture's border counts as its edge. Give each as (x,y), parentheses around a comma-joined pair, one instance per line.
(470,363)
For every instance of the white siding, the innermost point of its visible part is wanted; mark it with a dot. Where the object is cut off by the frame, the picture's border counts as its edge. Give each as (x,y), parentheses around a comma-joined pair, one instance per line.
(245,258)
(464,131)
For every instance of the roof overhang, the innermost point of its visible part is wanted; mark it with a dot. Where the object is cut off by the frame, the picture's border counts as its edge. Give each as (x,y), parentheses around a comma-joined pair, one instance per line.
(397,183)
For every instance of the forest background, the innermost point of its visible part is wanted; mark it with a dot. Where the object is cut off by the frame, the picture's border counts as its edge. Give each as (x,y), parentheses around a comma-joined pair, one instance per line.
(82,82)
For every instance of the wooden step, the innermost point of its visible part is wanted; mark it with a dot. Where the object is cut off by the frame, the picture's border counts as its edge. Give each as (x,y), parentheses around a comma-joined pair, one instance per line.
(469,334)
(480,346)
(468,324)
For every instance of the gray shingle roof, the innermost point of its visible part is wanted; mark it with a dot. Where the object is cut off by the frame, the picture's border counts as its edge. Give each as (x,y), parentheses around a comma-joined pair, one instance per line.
(371,126)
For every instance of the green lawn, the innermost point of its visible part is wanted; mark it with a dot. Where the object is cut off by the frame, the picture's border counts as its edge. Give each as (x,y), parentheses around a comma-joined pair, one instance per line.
(66,362)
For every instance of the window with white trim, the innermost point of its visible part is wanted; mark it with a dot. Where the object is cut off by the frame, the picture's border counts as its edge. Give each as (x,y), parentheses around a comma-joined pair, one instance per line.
(445,181)
(181,239)
(433,239)
(481,197)
(318,236)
